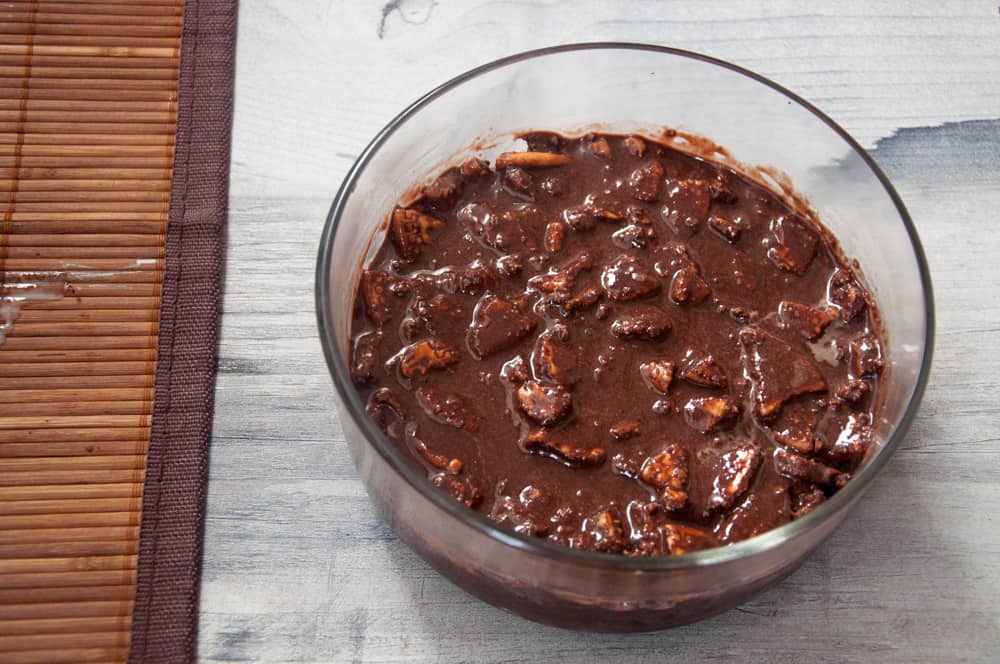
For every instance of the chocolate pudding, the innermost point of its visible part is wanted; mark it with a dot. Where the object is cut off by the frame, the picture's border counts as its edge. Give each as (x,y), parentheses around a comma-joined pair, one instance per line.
(618,347)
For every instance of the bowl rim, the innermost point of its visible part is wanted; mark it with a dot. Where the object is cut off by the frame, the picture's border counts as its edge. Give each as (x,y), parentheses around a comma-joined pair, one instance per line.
(395,457)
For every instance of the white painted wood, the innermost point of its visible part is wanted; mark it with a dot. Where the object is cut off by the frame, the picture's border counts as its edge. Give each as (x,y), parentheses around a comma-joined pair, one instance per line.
(298,568)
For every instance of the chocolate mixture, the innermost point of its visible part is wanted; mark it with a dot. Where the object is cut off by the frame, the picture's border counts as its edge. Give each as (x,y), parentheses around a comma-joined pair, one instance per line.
(619,347)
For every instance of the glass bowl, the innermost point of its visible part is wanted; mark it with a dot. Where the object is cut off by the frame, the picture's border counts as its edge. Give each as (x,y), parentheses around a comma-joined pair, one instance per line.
(622,88)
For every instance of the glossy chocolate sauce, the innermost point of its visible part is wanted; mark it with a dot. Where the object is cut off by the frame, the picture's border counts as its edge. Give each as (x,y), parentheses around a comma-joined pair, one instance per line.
(619,347)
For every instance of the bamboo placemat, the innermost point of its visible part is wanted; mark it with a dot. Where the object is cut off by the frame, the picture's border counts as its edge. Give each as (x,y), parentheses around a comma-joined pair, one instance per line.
(89,100)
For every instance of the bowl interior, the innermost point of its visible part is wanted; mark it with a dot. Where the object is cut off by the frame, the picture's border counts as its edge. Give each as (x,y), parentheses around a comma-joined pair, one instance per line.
(624,89)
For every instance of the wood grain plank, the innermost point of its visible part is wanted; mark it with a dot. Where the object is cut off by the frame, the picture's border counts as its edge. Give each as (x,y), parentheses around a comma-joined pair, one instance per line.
(299,568)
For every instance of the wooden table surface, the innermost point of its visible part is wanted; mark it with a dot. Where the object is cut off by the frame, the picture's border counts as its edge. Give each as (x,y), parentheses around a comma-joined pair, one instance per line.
(299,568)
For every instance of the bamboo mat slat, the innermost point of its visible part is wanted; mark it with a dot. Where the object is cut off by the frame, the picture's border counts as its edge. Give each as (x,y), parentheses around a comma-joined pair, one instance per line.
(105,462)
(78,491)
(80,655)
(88,110)
(62,594)
(63,506)
(62,625)
(79,343)
(75,449)
(67,611)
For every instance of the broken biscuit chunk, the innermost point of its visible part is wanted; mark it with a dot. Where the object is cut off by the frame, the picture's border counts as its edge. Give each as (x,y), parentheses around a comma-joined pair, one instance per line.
(364,359)
(645,181)
(799,467)
(375,287)
(450,409)
(410,231)
(498,325)
(555,235)
(461,489)
(624,430)
(844,292)
(687,285)
(668,473)
(634,145)
(658,374)
(687,204)
(554,358)
(806,320)
(647,323)
(702,369)
(707,414)
(726,227)
(546,443)
(779,372)
(429,355)
(797,245)
(735,471)
(544,404)
(680,539)
(444,190)
(531,160)
(866,357)
(602,532)
(626,278)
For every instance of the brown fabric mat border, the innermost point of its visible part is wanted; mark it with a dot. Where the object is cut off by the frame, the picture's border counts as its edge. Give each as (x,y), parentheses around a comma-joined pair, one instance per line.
(164,626)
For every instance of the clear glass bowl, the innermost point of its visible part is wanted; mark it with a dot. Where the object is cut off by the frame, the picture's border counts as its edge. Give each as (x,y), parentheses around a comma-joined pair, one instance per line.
(621,88)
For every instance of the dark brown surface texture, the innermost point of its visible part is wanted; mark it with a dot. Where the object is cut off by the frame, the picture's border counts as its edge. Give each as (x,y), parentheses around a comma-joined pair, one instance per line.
(617,347)
(164,622)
